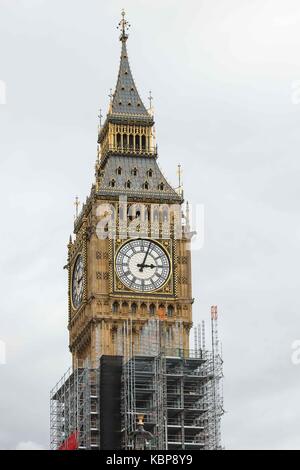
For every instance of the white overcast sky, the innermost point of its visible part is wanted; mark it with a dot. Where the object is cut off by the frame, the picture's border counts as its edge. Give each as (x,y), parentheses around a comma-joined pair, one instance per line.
(222,74)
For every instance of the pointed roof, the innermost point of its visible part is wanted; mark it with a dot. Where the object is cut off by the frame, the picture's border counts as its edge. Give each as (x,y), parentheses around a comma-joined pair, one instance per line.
(158,187)
(126,99)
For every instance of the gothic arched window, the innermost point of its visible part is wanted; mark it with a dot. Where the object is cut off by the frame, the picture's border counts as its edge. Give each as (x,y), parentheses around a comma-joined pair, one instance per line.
(125,307)
(131,141)
(152,309)
(128,184)
(170,310)
(118,140)
(165,214)
(119,171)
(150,173)
(143,142)
(155,215)
(137,142)
(115,307)
(146,185)
(143,308)
(133,308)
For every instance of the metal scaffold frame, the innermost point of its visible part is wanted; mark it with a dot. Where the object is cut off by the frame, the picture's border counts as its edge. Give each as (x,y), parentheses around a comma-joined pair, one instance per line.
(74,408)
(184,405)
(177,391)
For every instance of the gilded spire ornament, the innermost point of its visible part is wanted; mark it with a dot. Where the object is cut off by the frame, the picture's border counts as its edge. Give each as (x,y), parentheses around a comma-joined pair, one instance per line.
(76,204)
(123,26)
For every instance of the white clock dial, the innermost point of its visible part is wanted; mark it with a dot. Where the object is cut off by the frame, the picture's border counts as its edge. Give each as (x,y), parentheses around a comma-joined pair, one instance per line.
(77,282)
(142,265)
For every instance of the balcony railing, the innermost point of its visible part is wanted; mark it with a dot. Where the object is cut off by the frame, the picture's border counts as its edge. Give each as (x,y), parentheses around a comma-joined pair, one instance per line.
(129,149)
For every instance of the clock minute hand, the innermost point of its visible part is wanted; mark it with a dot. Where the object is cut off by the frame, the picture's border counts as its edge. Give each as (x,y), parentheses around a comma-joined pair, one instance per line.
(142,265)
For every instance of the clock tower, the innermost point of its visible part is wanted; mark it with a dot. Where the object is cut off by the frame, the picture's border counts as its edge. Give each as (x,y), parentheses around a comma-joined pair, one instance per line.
(129,258)
(134,381)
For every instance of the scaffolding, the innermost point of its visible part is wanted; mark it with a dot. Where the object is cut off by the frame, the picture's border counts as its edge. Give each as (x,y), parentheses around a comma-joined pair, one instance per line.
(172,393)
(74,409)
(178,391)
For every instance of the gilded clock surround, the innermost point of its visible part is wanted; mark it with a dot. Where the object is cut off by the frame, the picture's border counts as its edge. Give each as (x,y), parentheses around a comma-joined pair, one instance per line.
(168,285)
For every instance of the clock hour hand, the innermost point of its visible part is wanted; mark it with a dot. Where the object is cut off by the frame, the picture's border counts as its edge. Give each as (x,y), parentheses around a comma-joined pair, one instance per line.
(146,266)
(142,265)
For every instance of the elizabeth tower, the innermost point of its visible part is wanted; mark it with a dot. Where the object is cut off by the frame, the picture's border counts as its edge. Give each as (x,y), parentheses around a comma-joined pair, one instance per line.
(129,257)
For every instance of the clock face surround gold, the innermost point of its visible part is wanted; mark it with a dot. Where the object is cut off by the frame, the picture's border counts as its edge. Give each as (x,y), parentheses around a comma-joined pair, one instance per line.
(142,265)
(77,282)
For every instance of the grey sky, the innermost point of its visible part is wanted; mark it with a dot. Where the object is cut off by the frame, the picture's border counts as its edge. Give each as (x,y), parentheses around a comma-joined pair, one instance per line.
(221,73)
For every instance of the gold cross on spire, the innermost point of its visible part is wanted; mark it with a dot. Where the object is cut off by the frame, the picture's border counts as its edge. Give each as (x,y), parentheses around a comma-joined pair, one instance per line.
(123,26)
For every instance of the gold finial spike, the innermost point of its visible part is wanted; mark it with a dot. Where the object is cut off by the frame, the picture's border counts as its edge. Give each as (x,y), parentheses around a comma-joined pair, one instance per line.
(179,173)
(100,116)
(76,204)
(150,98)
(123,26)
(111,95)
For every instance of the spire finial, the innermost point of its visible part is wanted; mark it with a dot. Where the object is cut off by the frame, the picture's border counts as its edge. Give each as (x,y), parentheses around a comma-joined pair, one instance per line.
(150,98)
(179,173)
(123,26)
(76,204)
(100,116)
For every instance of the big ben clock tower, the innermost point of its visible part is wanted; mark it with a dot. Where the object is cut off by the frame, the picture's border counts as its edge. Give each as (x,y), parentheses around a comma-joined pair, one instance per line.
(134,381)
(130,257)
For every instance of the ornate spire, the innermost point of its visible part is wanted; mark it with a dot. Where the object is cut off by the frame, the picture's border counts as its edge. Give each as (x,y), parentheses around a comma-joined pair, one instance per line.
(125,99)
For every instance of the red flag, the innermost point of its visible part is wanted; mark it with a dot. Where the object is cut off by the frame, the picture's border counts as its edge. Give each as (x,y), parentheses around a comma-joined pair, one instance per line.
(71,443)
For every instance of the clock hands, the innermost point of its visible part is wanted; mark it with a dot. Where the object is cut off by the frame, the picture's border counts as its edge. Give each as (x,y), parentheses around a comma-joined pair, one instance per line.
(146,266)
(142,265)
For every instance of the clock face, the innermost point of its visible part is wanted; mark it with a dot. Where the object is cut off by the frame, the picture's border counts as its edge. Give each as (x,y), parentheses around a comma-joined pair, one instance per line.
(142,265)
(77,282)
